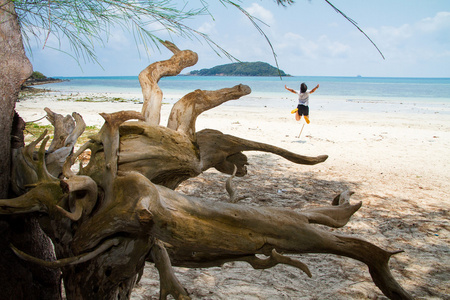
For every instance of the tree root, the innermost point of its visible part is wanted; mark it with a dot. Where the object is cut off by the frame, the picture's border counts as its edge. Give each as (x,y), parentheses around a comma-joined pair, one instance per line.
(67,131)
(229,186)
(169,284)
(83,197)
(336,215)
(60,263)
(222,151)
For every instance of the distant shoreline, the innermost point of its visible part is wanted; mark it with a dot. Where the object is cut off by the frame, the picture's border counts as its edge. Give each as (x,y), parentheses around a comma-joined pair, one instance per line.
(33,81)
(28,86)
(225,75)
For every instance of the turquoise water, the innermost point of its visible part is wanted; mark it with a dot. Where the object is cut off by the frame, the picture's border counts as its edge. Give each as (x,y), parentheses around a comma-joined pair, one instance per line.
(427,95)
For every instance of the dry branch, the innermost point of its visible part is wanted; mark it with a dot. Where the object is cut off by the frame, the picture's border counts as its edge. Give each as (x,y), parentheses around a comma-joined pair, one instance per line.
(109,136)
(222,151)
(67,261)
(150,76)
(67,130)
(185,112)
(169,284)
(82,198)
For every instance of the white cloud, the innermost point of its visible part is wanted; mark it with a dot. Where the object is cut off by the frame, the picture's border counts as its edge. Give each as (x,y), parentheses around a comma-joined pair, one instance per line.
(323,46)
(297,44)
(391,36)
(423,43)
(261,13)
(438,23)
(117,40)
(426,31)
(332,48)
(208,28)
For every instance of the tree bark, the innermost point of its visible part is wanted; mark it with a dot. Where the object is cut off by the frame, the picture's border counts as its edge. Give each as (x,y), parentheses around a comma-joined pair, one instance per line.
(15,68)
(18,280)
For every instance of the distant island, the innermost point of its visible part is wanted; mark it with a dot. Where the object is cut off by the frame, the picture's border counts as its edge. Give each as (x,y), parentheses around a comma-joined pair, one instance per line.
(37,78)
(241,69)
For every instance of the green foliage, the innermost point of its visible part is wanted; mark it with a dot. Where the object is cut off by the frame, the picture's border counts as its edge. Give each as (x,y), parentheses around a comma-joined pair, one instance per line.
(98,99)
(33,130)
(38,75)
(85,22)
(241,69)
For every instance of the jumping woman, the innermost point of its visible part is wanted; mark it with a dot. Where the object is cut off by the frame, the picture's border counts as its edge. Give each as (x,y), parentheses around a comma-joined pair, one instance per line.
(303,101)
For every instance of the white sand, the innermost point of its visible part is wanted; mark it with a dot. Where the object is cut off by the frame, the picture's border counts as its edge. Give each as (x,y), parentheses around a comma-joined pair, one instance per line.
(397,164)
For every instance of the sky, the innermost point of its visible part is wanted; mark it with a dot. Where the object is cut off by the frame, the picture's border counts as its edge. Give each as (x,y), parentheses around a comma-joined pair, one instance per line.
(308,37)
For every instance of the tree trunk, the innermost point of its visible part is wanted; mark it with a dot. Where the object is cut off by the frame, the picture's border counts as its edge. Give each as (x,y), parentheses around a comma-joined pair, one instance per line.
(17,279)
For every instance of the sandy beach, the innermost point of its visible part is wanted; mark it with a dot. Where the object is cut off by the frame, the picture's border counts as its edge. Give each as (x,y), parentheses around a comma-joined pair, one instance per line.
(398,165)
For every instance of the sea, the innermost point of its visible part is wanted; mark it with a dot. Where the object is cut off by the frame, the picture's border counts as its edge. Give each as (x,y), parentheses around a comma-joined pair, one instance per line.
(373,94)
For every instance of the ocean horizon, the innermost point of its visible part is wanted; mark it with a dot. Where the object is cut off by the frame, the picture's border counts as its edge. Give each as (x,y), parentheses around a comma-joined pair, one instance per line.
(377,94)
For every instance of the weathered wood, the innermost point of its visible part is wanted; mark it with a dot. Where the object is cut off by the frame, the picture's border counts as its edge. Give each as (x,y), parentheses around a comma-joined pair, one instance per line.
(109,136)
(63,127)
(185,112)
(82,198)
(150,76)
(223,152)
(169,284)
(67,131)
(164,156)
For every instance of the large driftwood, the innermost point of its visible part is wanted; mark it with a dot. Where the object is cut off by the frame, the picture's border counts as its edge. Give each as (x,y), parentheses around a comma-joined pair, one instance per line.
(121,210)
(150,151)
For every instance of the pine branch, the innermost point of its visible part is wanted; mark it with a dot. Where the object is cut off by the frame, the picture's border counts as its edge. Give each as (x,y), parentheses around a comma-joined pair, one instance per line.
(354,24)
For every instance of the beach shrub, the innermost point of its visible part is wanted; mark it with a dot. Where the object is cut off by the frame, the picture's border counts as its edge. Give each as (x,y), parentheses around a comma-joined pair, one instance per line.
(38,75)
